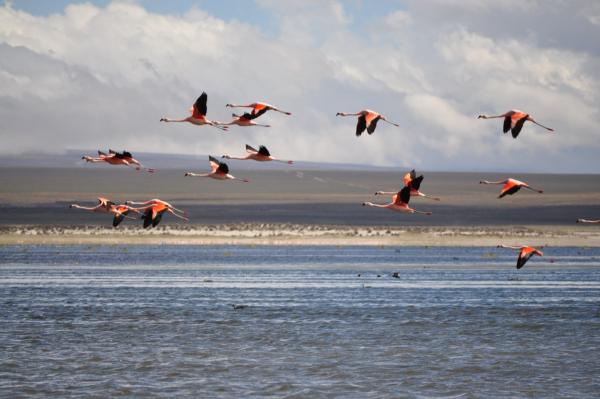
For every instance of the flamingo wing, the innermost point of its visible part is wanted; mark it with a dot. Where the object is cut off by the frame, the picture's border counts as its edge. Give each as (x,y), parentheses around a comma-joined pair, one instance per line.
(223,168)
(251,149)
(147,217)
(256,107)
(525,254)
(372,124)
(105,202)
(416,182)
(258,111)
(124,209)
(217,166)
(507,124)
(518,126)
(157,219)
(361,125)
(118,219)
(262,150)
(214,163)
(200,104)
(509,189)
(403,196)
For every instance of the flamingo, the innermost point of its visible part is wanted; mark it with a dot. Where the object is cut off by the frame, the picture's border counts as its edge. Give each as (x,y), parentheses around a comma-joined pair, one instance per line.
(525,253)
(244,120)
(588,221)
(511,186)
(258,108)
(154,212)
(198,116)
(411,180)
(399,203)
(117,158)
(367,119)
(107,206)
(154,208)
(154,202)
(514,121)
(220,171)
(260,155)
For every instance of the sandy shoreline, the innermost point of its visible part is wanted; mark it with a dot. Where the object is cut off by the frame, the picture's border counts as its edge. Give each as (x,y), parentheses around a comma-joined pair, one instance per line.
(294,234)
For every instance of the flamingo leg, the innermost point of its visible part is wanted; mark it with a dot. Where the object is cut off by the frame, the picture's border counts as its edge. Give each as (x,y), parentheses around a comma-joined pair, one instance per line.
(176,215)
(391,123)
(430,197)
(422,213)
(539,124)
(534,189)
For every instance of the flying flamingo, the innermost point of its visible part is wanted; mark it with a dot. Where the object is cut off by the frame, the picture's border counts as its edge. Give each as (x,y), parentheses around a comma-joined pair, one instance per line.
(367,119)
(414,182)
(104,206)
(588,221)
(399,203)
(260,155)
(220,171)
(244,120)
(511,186)
(525,253)
(198,116)
(154,212)
(117,158)
(107,206)
(258,108)
(514,121)
(155,201)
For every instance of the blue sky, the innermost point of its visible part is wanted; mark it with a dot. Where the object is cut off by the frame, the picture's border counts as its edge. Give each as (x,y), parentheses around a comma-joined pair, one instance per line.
(363,12)
(101,73)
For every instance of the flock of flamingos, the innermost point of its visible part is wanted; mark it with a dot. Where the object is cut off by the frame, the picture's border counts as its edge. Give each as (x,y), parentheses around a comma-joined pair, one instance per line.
(153,210)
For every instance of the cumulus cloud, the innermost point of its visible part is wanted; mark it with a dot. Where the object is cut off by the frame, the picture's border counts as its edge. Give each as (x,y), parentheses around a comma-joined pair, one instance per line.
(94,77)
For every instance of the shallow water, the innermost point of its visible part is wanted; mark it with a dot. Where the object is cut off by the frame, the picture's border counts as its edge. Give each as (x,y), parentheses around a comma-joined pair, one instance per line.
(158,321)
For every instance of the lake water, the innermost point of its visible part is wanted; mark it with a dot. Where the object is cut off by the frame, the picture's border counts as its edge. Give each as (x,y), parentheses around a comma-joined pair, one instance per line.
(116,321)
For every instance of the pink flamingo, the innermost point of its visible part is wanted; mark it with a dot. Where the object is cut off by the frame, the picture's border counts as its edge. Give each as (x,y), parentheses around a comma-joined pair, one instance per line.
(198,116)
(588,221)
(260,155)
(258,108)
(117,158)
(511,186)
(514,121)
(414,182)
(154,209)
(105,205)
(367,119)
(244,120)
(399,203)
(525,253)
(220,171)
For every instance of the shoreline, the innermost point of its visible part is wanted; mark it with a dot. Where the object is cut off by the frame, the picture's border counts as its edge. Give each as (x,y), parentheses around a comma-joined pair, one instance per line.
(297,234)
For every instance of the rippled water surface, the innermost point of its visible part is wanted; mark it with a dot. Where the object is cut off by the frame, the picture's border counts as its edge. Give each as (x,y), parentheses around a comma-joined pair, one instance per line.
(114,321)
